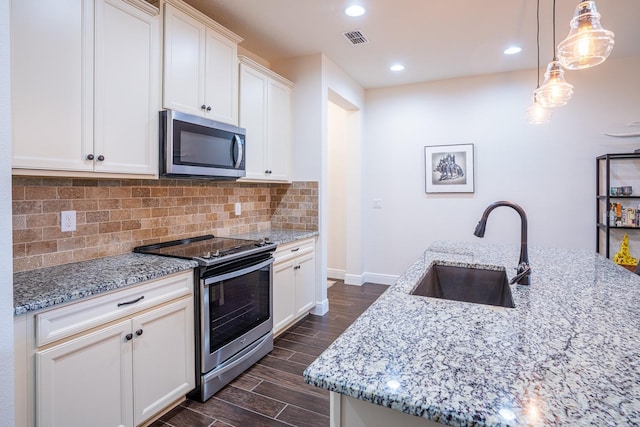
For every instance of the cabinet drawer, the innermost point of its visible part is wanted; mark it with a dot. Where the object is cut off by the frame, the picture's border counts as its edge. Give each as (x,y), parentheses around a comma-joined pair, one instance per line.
(65,321)
(293,249)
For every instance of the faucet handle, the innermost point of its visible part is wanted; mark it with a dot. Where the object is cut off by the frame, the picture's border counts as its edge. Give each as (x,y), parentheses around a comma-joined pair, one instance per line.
(523,274)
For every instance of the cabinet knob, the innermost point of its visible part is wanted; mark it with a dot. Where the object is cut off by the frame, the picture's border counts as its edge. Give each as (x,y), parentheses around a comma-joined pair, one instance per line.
(139,332)
(128,337)
(100,158)
(203,107)
(209,108)
(90,157)
(268,171)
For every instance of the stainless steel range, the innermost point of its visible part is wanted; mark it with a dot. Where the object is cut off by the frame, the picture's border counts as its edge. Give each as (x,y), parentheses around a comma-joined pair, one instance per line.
(234,315)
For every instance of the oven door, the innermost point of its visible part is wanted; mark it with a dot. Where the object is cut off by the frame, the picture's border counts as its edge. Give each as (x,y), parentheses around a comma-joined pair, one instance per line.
(236,308)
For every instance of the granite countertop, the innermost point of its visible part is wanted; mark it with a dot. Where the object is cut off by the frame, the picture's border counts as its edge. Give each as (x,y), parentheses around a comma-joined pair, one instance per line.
(278,236)
(567,354)
(46,287)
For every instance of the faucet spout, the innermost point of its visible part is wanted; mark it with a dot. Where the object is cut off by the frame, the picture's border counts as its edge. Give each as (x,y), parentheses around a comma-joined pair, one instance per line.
(524,270)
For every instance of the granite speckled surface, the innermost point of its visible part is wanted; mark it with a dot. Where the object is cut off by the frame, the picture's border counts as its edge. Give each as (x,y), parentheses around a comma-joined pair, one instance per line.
(278,236)
(45,287)
(567,354)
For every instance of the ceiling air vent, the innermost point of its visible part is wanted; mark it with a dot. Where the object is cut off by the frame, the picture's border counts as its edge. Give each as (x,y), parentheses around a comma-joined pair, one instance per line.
(356,37)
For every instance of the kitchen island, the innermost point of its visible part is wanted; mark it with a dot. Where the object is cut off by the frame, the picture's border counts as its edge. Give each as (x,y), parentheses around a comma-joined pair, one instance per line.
(567,354)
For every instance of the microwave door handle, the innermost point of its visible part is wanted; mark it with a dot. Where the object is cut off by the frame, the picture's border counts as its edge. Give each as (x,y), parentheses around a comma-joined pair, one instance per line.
(238,143)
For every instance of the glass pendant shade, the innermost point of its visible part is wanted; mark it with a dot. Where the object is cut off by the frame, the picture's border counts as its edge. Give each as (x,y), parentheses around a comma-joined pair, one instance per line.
(588,44)
(537,114)
(555,91)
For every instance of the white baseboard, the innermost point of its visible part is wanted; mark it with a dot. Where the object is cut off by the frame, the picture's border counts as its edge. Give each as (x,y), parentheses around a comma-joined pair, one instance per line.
(321,308)
(353,279)
(335,274)
(360,279)
(382,279)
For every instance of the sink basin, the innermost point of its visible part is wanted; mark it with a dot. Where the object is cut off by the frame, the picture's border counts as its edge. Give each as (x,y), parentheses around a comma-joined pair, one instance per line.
(468,284)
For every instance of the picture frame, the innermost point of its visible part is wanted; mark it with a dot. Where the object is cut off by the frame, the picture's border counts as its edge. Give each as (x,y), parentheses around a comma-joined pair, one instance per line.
(449,168)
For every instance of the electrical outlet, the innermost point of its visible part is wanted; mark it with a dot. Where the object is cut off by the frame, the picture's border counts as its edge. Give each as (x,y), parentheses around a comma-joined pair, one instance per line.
(68,221)
(238,208)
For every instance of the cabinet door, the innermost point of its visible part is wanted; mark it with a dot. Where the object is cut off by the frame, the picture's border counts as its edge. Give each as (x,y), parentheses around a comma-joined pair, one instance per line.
(184,62)
(163,357)
(279,130)
(52,84)
(305,273)
(283,294)
(86,381)
(253,117)
(221,79)
(127,75)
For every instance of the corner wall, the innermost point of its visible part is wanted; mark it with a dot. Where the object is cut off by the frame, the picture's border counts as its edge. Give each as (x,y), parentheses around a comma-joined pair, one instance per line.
(7,412)
(316,79)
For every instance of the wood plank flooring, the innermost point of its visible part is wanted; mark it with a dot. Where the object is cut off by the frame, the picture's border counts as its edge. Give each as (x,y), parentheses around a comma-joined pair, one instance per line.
(272,392)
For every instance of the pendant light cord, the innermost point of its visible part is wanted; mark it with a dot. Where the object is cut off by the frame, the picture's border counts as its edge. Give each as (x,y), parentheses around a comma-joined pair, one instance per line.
(538,41)
(554,31)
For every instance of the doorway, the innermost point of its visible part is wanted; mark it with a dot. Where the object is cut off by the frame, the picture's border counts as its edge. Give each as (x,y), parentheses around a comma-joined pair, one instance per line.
(344,249)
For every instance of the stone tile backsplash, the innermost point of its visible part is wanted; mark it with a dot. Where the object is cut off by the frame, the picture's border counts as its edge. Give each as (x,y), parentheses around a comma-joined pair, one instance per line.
(114,215)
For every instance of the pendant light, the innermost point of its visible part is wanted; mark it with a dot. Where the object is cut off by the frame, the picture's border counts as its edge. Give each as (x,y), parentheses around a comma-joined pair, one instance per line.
(588,44)
(537,113)
(555,91)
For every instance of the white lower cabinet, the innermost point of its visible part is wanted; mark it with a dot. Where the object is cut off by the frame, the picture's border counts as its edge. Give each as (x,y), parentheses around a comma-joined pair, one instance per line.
(86,381)
(283,294)
(163,359)
(293,282)
(121,373)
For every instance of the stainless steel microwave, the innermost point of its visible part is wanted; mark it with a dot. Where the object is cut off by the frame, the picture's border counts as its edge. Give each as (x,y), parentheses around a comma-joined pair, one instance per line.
(192,146)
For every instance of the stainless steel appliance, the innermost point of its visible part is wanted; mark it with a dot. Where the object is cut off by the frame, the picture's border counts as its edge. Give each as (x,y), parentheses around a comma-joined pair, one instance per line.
(234,314)
(192,146)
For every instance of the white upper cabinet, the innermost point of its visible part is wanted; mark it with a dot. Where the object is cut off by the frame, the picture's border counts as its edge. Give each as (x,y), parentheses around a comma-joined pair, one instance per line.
(200,65)
(127,89)
(52,83)
(85,86)
(265,112)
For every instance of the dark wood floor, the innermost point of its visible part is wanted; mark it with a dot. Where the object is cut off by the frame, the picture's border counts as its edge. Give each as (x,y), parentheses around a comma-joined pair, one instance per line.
(272,392)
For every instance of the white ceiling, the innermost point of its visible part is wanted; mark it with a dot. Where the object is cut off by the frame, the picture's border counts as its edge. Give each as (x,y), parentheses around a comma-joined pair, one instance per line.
(434,39)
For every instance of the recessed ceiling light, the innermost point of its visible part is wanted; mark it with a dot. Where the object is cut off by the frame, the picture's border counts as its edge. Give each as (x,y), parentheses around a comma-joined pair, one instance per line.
(354,10)
(397,67)
(512,50)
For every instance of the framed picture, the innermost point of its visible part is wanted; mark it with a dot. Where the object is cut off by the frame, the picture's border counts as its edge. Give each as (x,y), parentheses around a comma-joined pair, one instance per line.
(449,168)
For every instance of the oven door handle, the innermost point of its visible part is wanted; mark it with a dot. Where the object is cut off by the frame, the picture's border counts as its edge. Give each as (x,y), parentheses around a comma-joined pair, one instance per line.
(207,281)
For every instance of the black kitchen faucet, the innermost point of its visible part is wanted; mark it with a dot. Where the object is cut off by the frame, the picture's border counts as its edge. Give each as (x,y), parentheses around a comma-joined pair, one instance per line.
(523,273)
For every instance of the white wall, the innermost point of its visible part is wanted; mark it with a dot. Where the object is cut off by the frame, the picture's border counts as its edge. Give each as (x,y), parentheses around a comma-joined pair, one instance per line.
(337,191)
(6,277)
(548,169)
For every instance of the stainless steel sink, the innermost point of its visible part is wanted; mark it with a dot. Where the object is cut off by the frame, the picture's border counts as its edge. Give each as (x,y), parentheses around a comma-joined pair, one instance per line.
(468,284)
